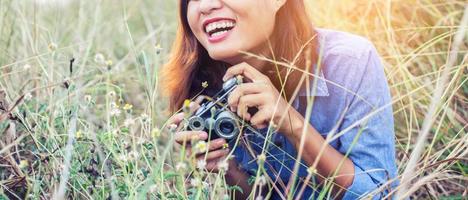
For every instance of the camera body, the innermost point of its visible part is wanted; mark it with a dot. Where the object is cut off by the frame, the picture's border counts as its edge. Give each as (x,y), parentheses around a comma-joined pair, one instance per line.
(214,116)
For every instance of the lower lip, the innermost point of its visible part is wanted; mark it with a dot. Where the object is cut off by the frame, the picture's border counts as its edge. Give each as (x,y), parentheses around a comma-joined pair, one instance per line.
(219,38)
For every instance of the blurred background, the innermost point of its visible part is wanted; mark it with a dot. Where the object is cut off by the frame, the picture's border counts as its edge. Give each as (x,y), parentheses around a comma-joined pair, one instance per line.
(81,116)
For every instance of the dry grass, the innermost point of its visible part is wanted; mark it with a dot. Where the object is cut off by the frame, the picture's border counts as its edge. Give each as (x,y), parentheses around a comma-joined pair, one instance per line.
(93,130)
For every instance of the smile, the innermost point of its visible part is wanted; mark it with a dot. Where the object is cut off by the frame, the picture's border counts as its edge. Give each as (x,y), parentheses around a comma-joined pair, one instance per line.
(218,29)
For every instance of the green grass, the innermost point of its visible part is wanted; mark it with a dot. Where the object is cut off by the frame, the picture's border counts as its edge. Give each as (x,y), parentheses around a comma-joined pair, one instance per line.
(72,126)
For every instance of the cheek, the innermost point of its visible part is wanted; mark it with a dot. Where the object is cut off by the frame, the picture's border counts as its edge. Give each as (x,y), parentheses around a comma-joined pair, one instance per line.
(258,16)
(258,26)
(192,19)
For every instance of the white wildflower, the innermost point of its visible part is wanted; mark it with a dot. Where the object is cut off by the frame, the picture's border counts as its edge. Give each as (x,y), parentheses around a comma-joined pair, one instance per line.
(27,96)
(195,182)
(100,59)
(205,184)
(201,164)
(129,122)
(111,94)
(153,188)
(115,112)
(181,166)
(223,165)
(261,180)
(113,105)
(52,46)
(145,118)
(27,66)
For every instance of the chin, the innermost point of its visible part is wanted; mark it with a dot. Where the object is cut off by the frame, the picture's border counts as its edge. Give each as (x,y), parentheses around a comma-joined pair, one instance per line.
(228,56)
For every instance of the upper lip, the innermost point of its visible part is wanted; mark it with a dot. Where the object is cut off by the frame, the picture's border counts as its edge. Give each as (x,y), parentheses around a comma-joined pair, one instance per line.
(207,21)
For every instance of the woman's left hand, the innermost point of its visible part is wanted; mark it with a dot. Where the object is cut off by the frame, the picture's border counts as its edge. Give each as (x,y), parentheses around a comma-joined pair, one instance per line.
(260,93)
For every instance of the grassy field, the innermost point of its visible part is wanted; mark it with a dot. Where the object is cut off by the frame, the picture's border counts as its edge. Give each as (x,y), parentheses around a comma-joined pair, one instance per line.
(81,116)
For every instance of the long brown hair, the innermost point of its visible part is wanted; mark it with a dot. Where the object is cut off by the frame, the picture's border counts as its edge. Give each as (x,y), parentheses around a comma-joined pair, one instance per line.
(190,65)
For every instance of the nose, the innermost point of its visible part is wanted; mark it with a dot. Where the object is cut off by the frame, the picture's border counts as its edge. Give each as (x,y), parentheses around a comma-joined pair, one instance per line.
(207,6)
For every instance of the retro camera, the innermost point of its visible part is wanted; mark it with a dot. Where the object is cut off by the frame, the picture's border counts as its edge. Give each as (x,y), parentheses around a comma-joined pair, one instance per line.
(216,119)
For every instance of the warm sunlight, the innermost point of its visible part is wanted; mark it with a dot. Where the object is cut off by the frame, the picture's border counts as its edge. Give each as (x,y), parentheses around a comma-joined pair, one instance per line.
(233,99)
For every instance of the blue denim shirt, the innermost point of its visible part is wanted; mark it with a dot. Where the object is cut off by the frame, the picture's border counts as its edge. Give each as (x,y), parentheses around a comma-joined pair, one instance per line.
(350,62)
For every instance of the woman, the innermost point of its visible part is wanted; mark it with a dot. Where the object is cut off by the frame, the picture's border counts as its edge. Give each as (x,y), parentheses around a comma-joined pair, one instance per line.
(348,92)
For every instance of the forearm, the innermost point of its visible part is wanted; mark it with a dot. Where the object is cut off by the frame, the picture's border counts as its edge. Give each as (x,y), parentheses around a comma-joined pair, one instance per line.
(236,176)
(330,161)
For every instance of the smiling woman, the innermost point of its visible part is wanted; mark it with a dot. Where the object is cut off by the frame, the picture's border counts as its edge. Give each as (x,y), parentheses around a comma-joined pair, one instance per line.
(196,59)
(347,100)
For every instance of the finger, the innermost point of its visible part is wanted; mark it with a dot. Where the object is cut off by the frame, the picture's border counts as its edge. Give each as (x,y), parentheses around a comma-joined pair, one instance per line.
(246,70)
(252,100)
(194,106)
(241,90)
(261,118)
(176,118)
(184,136)
(216,144)
(214,155)
(212,166)
(200,99)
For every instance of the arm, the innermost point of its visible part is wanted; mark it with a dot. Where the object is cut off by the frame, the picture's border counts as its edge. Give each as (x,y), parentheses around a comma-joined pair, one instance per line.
(236,176)
(331,159)
(370,144)
(370,161)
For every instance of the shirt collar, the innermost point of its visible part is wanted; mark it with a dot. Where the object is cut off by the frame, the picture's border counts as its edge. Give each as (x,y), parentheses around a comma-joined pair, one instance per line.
(321,87)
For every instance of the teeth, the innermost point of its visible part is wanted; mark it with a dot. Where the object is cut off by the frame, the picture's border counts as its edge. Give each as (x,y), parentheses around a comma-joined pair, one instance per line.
(218,33)
(217,25)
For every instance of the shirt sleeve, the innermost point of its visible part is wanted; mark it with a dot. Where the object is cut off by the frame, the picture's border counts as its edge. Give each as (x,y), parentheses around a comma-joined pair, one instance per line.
(370,143)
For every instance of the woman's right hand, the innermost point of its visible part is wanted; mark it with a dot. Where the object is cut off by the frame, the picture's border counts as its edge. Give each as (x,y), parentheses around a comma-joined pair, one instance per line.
(216,150)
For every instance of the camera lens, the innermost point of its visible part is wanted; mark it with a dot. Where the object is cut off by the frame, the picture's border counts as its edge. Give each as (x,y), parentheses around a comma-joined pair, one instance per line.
(196,123)
(226,126)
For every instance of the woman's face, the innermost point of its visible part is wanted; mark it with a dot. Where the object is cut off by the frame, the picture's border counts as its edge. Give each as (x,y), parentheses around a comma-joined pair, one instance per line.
(226,27)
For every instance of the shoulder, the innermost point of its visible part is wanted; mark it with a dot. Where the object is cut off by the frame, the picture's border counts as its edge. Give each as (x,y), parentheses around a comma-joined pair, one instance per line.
(352,62)
(346,56)
(339,43)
